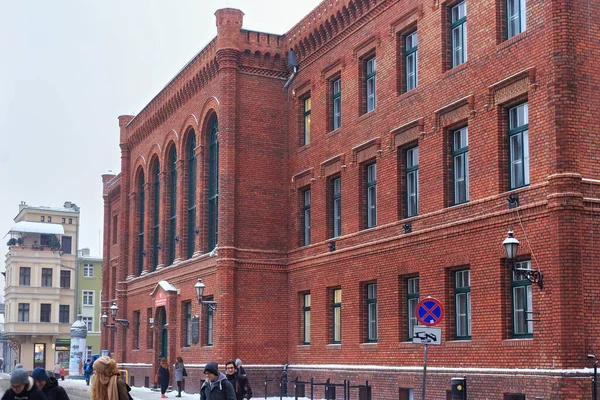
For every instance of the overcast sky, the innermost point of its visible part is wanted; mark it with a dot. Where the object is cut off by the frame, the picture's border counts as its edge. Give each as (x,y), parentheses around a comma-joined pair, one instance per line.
(69,68)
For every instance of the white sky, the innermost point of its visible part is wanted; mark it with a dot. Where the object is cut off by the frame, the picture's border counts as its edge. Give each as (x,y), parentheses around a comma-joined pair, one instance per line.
(69,68)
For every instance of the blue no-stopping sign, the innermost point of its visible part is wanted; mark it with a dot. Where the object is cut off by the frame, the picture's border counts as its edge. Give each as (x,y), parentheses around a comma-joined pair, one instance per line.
(429,311)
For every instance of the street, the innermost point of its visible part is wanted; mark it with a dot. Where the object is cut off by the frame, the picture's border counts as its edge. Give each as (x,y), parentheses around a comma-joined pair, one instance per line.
(75,390)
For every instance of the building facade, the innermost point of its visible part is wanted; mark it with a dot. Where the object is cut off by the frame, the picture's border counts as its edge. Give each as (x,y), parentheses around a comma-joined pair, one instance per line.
(41,283)
(319,201)
(90,289)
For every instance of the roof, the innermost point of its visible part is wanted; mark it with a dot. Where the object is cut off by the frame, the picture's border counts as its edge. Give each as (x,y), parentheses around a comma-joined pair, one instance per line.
(166,286)
(37,227)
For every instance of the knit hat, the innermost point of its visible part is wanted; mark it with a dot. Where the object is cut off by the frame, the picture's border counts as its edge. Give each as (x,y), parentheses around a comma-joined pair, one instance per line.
(19,365)
(238,362)
(20,376)
(212,367)
(39,374)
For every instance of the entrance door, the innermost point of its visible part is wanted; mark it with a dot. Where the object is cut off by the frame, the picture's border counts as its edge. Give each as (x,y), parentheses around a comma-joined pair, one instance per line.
(164,334)
(39,355)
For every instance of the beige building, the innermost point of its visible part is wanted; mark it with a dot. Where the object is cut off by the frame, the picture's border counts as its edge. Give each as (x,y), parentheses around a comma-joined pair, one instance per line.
(41,282)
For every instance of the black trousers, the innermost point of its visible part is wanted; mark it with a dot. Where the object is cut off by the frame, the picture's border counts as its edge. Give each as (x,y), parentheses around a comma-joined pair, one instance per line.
(179,386)
(163,388)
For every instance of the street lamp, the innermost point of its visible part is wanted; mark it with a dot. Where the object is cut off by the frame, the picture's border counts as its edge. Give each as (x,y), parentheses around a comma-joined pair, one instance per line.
(113,311)
(511,245)
(595,380)
(200,286)
(104,319)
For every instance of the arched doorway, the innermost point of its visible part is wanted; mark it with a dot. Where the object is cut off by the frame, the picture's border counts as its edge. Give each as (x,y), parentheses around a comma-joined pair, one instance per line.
(164,334)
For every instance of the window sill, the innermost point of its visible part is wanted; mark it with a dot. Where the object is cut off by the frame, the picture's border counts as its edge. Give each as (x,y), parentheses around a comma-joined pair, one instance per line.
(406,345)
(407,95)
(369,346)
(367,115)
(455,70)
(333,133)
(303,347)
(303,148)
(518,342)
(509,42)
(334,346)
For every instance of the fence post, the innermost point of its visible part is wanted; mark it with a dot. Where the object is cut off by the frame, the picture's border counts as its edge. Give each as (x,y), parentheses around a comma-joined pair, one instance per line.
(346,383)
(265,387)
(296,388)
(311,389)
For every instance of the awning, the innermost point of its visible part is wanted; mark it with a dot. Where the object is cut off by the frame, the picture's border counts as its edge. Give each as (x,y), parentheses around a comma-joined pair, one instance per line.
(37,227)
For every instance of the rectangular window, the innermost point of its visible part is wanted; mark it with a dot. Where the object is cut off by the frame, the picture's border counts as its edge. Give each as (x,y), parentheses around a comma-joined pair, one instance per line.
(136,330)
(45,312)
(407,394)
(66,244)
(522,299)
(65,279)
(462,300)
(114,230)
(412,299)
(370,75)
(63,313)
(23,312)
(70,221)
(306,217)
(25,276)
(337,316)
(89,322)
(42,218)
(88,297)
(514,396)
(460,165)
(336,200)
(64,220)
(88,270)
(209,325)
(336,88)
(187,314)
(412,182)
(411,57)
(306,318)
(371,312)
(46,277)
(150,334)
(458,33)
(371,188)
(49,218)
(306,121)
(518,145)
(516,17)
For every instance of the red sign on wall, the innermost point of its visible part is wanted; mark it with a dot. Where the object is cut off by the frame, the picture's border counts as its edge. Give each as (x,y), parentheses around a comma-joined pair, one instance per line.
(160,300)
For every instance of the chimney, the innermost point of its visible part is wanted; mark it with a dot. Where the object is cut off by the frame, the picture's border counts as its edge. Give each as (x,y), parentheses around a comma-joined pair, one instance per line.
(22,206)
(68,204)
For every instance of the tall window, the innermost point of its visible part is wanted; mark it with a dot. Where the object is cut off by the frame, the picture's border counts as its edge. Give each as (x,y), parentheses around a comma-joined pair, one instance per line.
(336,186)
(370,75)
(372,312)
(412,182)
(306,318)
(23,312)
(141,210)
(462,300)
(191,200)
(115,229)
(306,217)
(458,28)
(213,186)
(66,244)
(24,276)
(45,312)
(411,56)
(172,204)
(136,331)
(155,213)
(209,325)
(412,299)
(518,145)
(88,270)
(460,165)
(88,297)
(63,313)
(306,121)
(522,299)
(187,314)
(371,187)
(65,279)
(150,335)
(89,323)
(337,316)
(46,277)
(336,88)
(516,14)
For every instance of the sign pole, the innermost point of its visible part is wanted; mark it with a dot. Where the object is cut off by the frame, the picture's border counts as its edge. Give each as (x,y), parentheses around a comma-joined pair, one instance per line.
(424,372)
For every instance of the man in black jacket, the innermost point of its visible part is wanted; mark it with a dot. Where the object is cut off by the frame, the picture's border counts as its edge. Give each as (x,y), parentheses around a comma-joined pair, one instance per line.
(49,386)
(240,383)
(22,387)
(216,386)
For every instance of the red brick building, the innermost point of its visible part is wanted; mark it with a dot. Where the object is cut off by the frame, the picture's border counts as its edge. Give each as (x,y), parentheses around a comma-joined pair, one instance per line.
(318,204)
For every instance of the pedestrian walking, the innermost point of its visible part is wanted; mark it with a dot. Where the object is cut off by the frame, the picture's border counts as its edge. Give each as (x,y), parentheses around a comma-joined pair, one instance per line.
(106,381)
(49,386)
(216,386)
(180,373)
(62,373)
(239,366)
(88,369)
(240,383)
(22,387)
(56,370)
(163,377)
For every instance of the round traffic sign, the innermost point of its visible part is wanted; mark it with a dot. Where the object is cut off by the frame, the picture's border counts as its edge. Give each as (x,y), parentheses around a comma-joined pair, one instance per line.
(429,311)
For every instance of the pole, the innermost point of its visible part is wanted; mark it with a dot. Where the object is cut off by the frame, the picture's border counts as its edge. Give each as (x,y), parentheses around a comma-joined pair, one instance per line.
(424,372)
(595,387)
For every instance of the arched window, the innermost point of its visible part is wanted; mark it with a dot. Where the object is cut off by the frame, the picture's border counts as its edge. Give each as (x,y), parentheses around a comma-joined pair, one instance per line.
(191,226)
(213,184)
(155,213)
(141,209)
(172,204)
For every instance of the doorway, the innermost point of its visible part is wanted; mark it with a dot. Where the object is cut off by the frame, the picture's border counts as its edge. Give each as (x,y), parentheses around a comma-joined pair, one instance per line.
(39,355)
(164,334)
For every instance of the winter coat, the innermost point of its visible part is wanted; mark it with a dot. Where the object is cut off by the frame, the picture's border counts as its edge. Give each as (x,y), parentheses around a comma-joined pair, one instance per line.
(178,368)
(221,389)
(240,385)
(31,392)
(53,391)
(164,377)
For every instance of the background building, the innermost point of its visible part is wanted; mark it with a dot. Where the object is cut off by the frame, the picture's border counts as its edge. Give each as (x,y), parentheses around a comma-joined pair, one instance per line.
(320,202)
(41,284)
(90,288)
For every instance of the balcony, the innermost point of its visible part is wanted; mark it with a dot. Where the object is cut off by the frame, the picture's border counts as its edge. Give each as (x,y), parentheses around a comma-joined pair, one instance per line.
(35,328)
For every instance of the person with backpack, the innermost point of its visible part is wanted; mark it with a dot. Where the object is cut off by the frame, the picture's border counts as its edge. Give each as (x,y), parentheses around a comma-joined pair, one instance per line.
(216,386)
(48,385)
(88,369)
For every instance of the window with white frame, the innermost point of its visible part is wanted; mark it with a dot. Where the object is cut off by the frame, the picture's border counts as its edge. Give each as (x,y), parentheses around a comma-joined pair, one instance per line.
(518,145)
(88,297)
(516,17)
(522,299)
(88,270)
(462,299)
(412,299)
(89,322)
(412,182)
(371,312)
